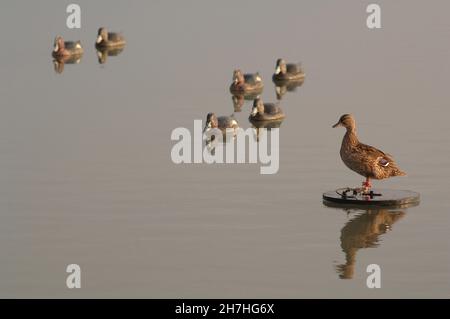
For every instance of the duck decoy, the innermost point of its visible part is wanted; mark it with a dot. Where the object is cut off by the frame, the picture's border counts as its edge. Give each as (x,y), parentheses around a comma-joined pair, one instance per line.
(265,111)
(364,159)
(65,49)
(222,122)
(246,83)
(109,40)
(288,72)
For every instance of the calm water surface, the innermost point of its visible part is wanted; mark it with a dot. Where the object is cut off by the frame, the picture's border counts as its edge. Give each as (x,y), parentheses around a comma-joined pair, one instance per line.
(87,178)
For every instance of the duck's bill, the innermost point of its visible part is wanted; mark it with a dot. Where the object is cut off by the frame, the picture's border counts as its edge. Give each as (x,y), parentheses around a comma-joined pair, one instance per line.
(207,126)
(277,70)
(278,90)
(99,39)
(56,47)
(254,111)
(337,124)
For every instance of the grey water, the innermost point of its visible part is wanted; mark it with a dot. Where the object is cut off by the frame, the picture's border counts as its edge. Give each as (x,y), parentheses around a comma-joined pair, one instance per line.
(86,175)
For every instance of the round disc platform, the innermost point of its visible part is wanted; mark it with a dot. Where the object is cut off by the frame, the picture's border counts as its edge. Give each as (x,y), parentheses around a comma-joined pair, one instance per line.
(378,197)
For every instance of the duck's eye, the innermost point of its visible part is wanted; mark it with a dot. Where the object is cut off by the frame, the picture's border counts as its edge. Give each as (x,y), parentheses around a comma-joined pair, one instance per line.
(384,162)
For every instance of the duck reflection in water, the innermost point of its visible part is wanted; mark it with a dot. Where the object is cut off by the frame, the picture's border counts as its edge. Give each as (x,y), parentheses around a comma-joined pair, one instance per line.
(58,63)
(282,87)
(239,100)
(364,231)
(104,53)
(261,126)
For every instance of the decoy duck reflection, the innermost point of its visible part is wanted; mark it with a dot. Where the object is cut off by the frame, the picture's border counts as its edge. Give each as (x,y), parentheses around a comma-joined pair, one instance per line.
(58,63)
(260,126)
(238,102)
(282,87)
(364,159)
(104,53)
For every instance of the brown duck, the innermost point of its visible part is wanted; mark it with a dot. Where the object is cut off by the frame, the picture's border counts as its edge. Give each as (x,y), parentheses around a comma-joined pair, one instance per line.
(364,159)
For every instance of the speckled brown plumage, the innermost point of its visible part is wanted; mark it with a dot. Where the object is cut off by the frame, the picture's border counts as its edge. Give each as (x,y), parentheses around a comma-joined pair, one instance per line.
(364,159)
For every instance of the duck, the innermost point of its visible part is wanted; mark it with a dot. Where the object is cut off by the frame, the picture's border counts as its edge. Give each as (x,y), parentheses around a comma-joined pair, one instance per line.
(107,39)
(288,72)
(64,49)
(363,159)
(222,123)
(246,83)
(265,111)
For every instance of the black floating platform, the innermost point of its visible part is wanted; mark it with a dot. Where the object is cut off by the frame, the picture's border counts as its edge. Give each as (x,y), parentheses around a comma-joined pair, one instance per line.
(377,198)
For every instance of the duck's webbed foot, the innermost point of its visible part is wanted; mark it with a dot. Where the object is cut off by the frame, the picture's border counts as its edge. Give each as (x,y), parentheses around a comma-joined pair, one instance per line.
(367,185)
(357,193)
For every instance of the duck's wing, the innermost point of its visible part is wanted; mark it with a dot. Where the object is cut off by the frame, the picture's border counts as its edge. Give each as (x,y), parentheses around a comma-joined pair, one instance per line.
(384,162)
(114,36)
(252,78)
(272,108)
(227,121)
(294,68)
(72,45)
(374,154)
(370,151)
